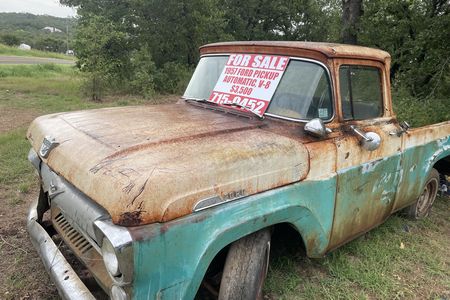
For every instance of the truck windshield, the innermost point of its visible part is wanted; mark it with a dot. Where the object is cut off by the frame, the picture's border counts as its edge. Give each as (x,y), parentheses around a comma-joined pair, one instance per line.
(303,93)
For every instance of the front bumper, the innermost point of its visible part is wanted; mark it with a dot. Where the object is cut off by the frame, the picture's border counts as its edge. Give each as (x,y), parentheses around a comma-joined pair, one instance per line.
(68,283)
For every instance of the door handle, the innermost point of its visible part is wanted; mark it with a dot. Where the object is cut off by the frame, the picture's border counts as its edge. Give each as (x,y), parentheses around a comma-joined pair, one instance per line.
(404,127)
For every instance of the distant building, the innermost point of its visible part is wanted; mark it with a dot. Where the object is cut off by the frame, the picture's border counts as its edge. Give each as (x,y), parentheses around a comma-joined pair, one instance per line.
(51,29)
(24,47)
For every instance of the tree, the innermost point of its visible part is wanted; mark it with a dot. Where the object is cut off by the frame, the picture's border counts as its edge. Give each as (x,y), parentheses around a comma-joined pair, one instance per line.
(416,33)
(10,39)
(351,13)
(175,29)
(102,50)
(278,19)
(49,44)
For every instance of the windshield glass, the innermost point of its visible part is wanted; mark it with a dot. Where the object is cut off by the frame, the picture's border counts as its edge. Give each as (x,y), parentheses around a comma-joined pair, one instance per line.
(205,77)
(303,93)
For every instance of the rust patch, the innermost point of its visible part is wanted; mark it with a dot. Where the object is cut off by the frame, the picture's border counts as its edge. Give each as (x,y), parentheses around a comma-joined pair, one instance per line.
(139,147)
(130,218)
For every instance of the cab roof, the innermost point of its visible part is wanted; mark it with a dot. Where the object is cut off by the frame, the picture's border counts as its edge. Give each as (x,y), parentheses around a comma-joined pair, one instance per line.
(328,50)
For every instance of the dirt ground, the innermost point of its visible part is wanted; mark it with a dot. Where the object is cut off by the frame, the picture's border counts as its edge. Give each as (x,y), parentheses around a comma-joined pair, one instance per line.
(22,274)
(12,118)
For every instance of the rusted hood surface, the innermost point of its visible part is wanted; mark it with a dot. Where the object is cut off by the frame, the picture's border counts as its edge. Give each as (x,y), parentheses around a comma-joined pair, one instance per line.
(154,163)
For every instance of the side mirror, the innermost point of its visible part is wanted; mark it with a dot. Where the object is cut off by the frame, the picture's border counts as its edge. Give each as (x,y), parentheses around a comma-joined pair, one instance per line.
(317,128)
(369,140)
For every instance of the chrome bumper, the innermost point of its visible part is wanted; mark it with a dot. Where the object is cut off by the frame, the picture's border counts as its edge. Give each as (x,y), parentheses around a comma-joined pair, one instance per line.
(68,283)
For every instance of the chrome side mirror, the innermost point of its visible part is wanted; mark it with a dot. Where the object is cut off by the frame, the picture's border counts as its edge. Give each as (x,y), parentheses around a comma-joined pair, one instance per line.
(317,128)
(369,140)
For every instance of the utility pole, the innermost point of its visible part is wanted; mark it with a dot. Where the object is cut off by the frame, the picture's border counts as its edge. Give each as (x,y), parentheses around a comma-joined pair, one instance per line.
(67,36)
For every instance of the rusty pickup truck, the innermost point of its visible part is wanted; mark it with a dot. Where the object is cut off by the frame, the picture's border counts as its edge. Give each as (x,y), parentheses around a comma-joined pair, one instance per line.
(267,133)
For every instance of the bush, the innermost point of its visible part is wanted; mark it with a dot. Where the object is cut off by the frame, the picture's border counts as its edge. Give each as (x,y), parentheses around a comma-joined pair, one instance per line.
(10,39)
(419,111)
(143,70)
(172,78)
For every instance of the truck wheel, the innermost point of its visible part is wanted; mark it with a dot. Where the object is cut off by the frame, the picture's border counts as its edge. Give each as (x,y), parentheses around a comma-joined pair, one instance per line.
(246,267)
(421,208)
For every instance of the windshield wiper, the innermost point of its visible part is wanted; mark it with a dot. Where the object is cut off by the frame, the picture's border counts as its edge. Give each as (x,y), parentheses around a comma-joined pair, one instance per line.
(202,100)
(244,107)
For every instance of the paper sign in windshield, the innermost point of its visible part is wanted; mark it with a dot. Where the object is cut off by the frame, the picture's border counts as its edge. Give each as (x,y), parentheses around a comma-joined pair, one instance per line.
(249,80)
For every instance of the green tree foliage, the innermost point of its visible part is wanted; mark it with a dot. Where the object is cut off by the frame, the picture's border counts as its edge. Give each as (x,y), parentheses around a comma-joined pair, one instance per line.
(10,39)
(181,25)
(50,44)
(102,50)
(417,35)
(278,19)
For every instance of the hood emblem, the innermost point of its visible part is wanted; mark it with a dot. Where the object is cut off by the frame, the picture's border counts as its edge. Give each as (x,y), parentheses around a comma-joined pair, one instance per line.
(48,144)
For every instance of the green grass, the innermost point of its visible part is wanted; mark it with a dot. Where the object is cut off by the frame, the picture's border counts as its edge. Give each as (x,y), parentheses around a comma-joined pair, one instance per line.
(14,167)
(36,71)
(7,50)
(401,259)
(51,88)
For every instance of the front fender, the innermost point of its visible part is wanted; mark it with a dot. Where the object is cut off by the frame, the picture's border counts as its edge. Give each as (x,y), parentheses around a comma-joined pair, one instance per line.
(171,258)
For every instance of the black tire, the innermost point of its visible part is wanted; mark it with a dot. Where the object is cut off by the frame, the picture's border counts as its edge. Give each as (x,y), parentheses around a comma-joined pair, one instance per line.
(422,207)
(246,267)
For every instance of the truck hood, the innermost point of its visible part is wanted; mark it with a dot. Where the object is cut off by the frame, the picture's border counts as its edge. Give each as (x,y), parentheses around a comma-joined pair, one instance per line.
(156,163)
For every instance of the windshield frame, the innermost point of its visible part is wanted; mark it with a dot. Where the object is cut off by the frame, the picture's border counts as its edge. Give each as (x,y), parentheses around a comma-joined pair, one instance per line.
(329,77)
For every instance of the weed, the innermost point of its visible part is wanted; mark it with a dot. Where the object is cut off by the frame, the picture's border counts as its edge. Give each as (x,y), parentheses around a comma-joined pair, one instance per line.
(24,187)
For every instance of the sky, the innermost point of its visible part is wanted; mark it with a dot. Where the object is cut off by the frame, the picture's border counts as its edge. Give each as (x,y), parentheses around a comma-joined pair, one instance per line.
(37,7)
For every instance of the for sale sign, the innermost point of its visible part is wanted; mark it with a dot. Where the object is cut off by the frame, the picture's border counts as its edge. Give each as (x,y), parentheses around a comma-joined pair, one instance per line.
(249,80)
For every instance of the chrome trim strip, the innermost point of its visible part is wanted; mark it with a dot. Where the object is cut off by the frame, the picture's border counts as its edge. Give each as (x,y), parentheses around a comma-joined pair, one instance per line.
(122,241)
(211,202)
(119,236)
(67,282)
(34,159)
(330,79)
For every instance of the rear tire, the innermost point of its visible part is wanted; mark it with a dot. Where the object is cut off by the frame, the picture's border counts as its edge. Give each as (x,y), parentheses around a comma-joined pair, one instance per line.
(422,207)
(246,267)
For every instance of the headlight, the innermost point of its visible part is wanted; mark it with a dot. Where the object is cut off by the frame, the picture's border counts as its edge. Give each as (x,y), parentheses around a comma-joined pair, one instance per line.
(110,258)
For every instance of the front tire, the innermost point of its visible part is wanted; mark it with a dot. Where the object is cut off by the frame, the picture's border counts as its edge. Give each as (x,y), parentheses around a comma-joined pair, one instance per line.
(246,267)
(422,207)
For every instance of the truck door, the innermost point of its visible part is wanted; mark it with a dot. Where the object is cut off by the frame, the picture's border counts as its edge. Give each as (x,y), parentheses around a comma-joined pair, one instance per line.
(366,180)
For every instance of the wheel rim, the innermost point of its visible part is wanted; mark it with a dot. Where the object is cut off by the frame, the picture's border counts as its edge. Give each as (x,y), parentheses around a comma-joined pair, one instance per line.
(426,199)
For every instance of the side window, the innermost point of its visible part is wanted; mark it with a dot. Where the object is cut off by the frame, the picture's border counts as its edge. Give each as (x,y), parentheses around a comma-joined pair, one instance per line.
(361,92)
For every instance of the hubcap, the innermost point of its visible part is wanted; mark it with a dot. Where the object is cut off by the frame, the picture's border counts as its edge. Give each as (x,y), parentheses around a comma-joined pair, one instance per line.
(426,199)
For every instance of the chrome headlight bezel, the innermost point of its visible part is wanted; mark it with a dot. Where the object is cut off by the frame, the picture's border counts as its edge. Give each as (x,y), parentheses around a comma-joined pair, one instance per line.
(117,250)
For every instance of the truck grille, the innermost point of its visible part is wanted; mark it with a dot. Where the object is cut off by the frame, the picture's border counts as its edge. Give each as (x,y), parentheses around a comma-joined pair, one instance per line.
(79,243)
(82,247)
